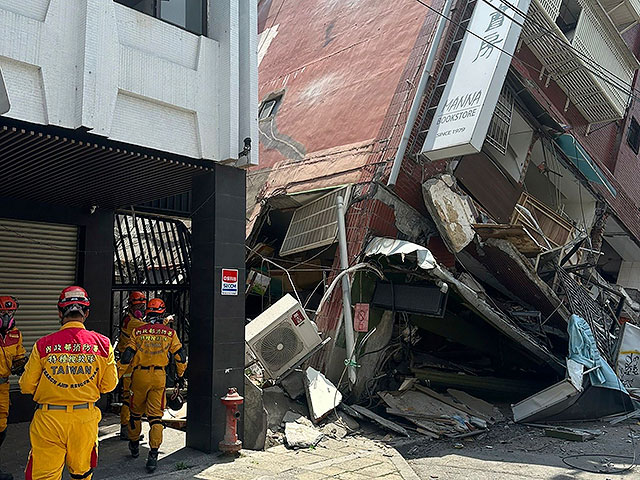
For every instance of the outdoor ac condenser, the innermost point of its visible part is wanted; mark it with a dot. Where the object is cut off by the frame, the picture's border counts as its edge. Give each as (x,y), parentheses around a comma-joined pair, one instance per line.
(281,336)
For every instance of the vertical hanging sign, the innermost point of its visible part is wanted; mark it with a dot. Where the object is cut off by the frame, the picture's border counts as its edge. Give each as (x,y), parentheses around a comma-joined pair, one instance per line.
(462,118)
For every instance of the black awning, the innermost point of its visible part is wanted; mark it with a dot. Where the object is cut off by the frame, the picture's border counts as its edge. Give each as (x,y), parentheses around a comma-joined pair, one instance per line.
(74,168)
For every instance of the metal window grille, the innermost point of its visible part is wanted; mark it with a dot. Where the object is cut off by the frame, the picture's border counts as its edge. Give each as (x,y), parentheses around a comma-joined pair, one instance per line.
(500,126)
(315,224)
(152,255)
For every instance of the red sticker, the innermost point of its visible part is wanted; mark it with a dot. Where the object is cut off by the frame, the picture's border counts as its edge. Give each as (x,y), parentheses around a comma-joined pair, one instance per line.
(297,318)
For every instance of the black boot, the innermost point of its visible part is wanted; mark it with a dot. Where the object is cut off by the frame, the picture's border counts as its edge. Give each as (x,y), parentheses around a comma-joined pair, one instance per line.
(152,460)
(124,432)
(134,448)
(4,476)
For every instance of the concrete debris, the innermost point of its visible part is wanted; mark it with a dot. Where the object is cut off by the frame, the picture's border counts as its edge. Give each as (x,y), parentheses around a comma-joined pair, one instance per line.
(277,403)
(296,418)
(334,430)
(255,417)
(273,439)
(383,422)
(571,434)
(293,384)
(344,419)
(298,436)
(322,395)
(480,408)
(452,212)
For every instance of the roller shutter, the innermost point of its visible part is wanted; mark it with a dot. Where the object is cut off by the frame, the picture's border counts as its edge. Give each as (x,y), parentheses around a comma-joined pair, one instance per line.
(37,260)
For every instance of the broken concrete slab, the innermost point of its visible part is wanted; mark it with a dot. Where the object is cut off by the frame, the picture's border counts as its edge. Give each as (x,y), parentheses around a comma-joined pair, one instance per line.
(297,418)
(293,384)
(477,405)
(322,395)
(298,436)
(344,419)
(334,430)
(451,212)
(255,417)
(277,403)
(383,422)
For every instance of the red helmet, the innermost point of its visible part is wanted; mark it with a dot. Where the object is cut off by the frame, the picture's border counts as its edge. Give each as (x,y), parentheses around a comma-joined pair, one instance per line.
(137,298)
(156,307)
(73,299)
(8,306)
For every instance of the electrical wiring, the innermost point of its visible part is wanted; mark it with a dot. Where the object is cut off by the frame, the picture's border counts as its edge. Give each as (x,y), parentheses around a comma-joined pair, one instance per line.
(528,65)
(563,42)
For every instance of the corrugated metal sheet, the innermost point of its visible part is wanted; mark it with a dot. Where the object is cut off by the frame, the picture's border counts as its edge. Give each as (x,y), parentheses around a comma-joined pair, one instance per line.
(37,260)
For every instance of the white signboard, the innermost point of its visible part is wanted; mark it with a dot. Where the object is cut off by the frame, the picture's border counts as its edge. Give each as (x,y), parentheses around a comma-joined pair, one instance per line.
(462,118)
(628,361)
(4,97)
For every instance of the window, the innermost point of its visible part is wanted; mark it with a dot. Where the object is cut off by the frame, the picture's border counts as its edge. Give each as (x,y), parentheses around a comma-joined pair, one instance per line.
(568,17)
(633,135)
(269,107)
(187,14)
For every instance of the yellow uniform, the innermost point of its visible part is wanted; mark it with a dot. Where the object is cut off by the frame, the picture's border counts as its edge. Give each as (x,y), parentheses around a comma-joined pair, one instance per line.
(148,355)
(13,353)
(66,373)
(129,322)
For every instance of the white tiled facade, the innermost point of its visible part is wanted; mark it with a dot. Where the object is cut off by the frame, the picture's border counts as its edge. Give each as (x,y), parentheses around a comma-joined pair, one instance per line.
(133,78)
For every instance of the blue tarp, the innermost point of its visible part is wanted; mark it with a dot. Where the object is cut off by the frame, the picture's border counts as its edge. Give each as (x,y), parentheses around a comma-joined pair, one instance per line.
(581,159)
(583,349)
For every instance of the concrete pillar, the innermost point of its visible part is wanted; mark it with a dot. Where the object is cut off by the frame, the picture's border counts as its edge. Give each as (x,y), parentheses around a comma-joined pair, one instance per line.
(216,349)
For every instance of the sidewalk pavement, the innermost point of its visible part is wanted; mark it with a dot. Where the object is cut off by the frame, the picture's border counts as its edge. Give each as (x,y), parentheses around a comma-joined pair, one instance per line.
(352,458)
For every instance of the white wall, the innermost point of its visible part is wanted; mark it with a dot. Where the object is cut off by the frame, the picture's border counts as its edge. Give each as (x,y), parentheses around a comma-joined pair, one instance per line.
(125,75)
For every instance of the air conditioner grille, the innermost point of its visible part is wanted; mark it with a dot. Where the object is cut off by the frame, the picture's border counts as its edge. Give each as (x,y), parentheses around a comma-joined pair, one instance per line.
(279,346)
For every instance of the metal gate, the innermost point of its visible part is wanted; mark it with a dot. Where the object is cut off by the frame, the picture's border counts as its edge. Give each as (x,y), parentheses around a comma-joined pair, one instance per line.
(152,255)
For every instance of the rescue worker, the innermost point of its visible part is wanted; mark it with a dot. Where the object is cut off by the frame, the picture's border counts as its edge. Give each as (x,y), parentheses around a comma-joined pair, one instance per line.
(148,354)
(66,373)
(133,319)
(11,362)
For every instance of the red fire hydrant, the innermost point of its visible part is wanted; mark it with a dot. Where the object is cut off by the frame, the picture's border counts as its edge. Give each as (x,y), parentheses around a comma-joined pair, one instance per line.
(231,400)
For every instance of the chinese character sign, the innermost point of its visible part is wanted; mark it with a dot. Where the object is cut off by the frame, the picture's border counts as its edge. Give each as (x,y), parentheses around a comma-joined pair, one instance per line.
(462,118)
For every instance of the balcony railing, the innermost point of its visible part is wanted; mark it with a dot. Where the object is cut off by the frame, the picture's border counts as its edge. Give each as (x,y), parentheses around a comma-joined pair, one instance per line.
(595,70)
(623,13)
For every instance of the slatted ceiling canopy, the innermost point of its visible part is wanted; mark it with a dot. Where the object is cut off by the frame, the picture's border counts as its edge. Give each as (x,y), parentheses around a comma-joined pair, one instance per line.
(72,168)
(37,260)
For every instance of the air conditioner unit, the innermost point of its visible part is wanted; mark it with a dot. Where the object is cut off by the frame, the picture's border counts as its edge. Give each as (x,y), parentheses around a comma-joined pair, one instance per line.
(281,336)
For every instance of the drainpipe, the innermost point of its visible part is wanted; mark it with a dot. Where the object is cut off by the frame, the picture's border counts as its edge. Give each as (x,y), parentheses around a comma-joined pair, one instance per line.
(346,291)
(417,100)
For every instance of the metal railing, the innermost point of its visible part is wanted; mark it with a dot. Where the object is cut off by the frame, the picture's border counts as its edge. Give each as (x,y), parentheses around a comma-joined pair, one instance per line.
(595,68)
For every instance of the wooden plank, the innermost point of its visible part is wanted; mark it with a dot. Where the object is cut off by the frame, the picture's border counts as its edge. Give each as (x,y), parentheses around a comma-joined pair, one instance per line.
(568,434)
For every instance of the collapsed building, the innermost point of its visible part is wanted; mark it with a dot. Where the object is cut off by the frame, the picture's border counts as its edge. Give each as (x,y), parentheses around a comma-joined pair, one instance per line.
(467,258)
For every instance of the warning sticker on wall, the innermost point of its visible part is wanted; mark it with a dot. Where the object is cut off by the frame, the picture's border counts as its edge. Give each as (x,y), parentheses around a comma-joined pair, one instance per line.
(229,281)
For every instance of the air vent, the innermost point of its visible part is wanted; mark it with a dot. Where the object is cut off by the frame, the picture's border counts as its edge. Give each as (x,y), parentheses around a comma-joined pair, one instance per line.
(279,346)
(315,224)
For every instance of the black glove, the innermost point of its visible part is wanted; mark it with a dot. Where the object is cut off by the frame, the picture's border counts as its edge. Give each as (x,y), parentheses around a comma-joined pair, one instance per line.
(180,382)
(17,368)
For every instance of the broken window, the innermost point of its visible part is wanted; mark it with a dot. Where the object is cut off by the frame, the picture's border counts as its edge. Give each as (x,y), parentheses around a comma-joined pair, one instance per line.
(568,17)
(633,135)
